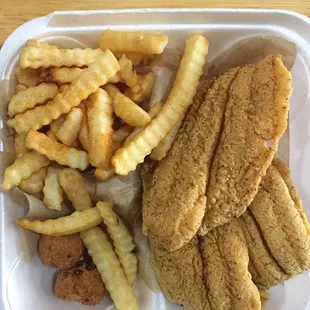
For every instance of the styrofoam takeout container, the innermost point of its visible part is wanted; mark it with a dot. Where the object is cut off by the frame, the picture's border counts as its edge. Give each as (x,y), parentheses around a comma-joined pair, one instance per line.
(27,285)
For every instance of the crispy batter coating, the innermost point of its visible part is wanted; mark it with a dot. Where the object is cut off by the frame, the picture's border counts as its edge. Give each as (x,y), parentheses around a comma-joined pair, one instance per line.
(81,283)
(60,252)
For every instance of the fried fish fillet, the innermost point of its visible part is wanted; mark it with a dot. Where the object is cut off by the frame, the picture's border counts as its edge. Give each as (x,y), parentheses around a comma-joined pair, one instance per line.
(226,259)
(180,275)
(284,227)
(174,205)
(256,112)
(264,268)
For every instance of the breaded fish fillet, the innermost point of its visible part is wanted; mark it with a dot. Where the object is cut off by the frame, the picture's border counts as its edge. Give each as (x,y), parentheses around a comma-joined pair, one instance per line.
(284,227)
(226,259)
(174,206)
(256,112)
(180,275)
(264,268)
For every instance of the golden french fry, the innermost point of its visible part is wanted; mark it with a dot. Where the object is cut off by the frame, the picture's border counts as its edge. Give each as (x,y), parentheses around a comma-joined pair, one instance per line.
(83,134)
(72,183)
(63,88)
(67,75)
(31,97)
(122,240)
(137,58)
(34,184)
(20,87)
(104,174)
(33,42)
(112,274)
(127,158)
(55,125)
(122,133)
(164,145)
(145,88)
(126,109)
(100,121)
(22,168)
(154,110)
(64,155)
(52,56)
(125,41)
(87,83)
(68,131)
(28,77)
(52,191)
(20,145)
(78,221)
(60,75)
(127,74)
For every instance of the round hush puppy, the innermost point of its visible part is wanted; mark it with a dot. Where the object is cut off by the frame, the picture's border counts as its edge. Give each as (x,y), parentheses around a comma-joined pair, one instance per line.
(81,283)
(60,252)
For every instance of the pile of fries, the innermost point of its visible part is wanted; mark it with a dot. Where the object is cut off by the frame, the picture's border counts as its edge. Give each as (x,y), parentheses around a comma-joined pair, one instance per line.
(80,108)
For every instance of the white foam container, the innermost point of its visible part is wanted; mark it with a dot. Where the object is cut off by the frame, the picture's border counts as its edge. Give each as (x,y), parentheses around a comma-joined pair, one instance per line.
(27,285)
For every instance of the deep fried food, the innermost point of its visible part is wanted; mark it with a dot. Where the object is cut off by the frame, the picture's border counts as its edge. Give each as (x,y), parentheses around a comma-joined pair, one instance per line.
(122,240)
(180,98)
(60,252)
(133,41)
(104,257)
(256,112)
(264,268)
(22,168)
(281,223)
(76,222)
(174,206)
(35,183)
(226,259)
(54,150)
(180,274)
(81,283)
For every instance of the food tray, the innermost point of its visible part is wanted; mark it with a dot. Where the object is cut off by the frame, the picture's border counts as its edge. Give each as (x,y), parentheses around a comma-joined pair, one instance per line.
(28,284)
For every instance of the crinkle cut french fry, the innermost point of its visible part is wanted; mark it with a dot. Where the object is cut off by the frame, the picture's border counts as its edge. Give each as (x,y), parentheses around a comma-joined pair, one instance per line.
(164,145)
(20,145)
(33,42)
(72,183)
(100,121)
(68,131)
(22,168)
(127,158)
(137,58)
(88,82)
(67,75)
(31,97)
(122,133)
(34,184)
(104,174)
(122,240)
(64,155)
(154,110)
(78,221)
(28,77)
(128,74)
(55,125)
(52,56)
(52,191)
(145,88)
(109,267)
(20,87)
(126,109)
(60,75)
(125,41)
(84,134)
